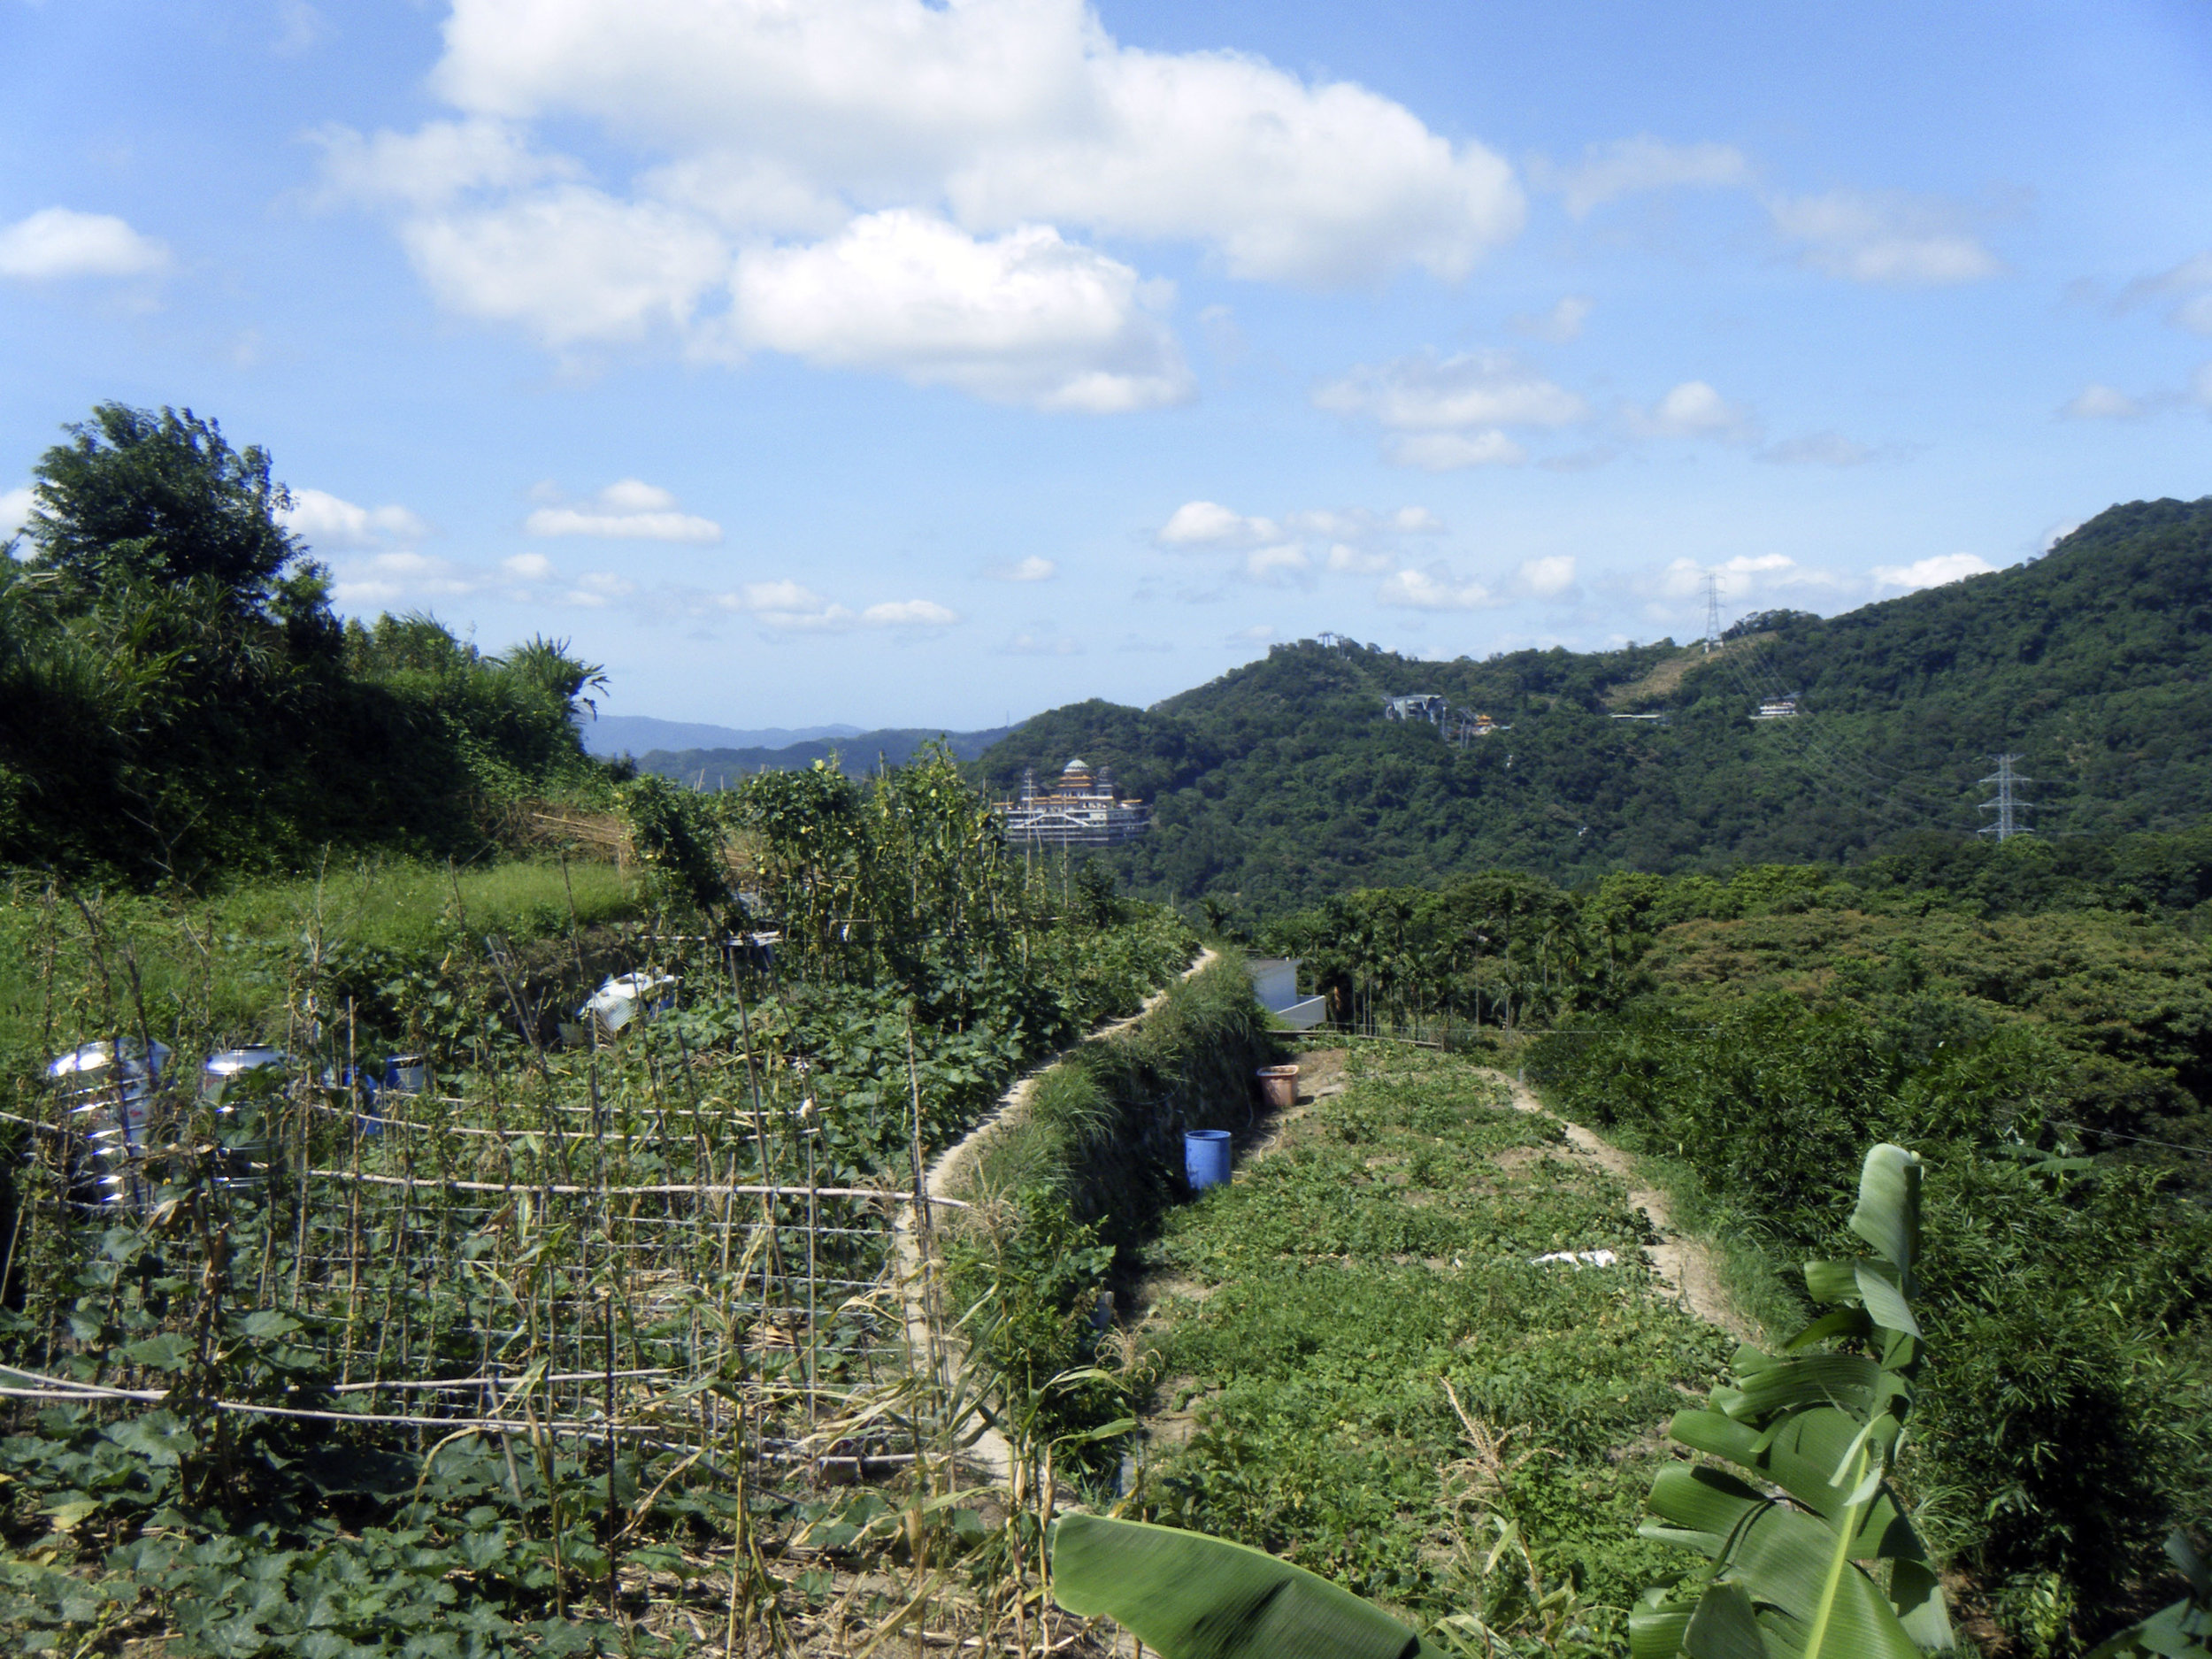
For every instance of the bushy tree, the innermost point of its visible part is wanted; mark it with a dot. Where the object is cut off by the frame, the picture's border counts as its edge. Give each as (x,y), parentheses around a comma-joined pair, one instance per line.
(139,495)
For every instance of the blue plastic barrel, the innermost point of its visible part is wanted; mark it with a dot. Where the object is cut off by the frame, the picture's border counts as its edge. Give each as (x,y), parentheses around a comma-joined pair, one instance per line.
(1205,1158)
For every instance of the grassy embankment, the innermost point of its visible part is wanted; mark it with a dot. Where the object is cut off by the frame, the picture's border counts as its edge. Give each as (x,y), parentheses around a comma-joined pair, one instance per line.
(1314,1319)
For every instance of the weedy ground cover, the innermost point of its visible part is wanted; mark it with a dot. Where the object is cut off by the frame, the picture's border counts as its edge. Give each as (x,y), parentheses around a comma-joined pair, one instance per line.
(571,1349)
(1383,1388)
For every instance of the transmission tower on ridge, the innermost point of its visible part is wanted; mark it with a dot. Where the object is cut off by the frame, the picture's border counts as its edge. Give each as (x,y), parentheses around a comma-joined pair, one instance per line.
(2009,810)
(1712,613)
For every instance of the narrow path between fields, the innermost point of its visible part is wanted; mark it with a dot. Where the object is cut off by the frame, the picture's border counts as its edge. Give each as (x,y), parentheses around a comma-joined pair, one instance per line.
(989,1451)
(1684,1264)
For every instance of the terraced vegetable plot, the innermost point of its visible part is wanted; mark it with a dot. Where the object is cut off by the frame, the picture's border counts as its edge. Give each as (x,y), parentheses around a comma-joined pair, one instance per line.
(1310,1324)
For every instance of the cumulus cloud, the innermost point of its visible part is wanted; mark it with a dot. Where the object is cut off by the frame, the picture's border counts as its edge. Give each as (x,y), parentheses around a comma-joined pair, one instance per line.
(1274,565)
(1208,524)
(897,186)
(1628,165)
(59,243)
(1476,388)
(790,607)
(1559,324)
(2098,402)
(324,521)
(1819,448)
(1933,571)
(1742,579)
(571,264)
(2187,285)
(1358,561)
(1032,569)
(15,510)
(1433,588)
(1023,318)
(1691,410)
(1042,641)
(1009,113)
(1884,237)
(384,579)
(529,567)
(1449,451)
(1551,576)
(1294,547)
(628,509)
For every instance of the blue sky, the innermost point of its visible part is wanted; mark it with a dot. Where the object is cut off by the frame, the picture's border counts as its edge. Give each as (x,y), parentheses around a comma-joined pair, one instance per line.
(866,361)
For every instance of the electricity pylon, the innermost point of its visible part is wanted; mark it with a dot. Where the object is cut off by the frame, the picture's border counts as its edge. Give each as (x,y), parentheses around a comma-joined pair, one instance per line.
(2009,808)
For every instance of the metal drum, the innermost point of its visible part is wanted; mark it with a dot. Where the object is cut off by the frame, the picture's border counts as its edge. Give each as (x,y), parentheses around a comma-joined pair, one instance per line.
(227,1065)
(247,1152)
(107,1091)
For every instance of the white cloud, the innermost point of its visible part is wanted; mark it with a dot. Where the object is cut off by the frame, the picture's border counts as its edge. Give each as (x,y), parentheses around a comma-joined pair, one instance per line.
(897,186)
(1477,389)
(2189,284)
(1691,410)
(1026,318)
(1819,448)
(1559,324)
(15,510)
(791,607)
(596,589)
(434,165)
(1009,113)
(908,613)
(1884,237)
(1448,451)
(1259,633)
(1741,578)
(1042,644)
(1360,561)
(571,264)
(1294,546)
(1032,569)
(529,567)
(324,521)
(1275,565)
(1547,578)
(1626,165)
(58,243)
(1210,524)
(384,579)
(629,510)
(1933,571)
(1432,588)
(2098,402)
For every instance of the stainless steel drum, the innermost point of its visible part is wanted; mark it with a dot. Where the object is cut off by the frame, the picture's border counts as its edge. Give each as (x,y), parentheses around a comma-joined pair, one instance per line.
(246,1156)
(107,1090)
(228,1064)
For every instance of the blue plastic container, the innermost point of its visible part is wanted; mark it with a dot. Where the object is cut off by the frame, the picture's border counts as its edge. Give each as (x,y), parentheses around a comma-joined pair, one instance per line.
(1205,1158)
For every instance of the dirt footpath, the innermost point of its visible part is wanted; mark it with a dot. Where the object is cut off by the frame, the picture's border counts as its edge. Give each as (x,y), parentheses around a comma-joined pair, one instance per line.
(1684,1264)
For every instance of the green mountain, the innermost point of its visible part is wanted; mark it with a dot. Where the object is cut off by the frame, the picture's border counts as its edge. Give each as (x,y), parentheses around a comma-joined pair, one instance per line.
(856,755)
(1281,782)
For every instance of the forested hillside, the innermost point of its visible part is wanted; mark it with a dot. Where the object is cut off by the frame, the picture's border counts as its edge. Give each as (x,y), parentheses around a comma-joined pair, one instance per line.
(182,704)
(1280,781)
(856,755)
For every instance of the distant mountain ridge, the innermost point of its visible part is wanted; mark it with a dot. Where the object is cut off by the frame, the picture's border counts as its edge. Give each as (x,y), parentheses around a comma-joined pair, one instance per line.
(637,734)
(1280,782)
(857,753)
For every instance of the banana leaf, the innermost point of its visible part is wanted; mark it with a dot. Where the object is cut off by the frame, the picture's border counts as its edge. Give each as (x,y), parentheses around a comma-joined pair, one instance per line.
(1798,1540)
(1195,1597)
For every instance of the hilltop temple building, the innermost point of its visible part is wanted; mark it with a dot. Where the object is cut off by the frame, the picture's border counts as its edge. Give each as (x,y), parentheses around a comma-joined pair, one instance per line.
(1080,809)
